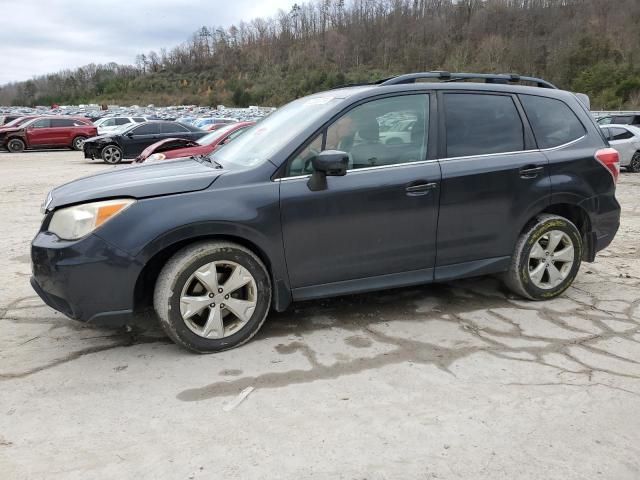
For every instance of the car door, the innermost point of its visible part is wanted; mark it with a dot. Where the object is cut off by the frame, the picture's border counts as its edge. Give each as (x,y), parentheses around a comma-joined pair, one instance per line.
(493,179)
(622,140)
(39,133)
(138,138)
(373,227)
(61,131)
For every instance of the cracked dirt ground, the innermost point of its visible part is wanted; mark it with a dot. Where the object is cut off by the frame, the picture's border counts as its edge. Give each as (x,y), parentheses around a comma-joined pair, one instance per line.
(459,380)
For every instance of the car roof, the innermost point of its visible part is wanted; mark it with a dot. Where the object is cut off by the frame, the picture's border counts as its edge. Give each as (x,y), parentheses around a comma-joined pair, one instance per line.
(633,128)
(370,90)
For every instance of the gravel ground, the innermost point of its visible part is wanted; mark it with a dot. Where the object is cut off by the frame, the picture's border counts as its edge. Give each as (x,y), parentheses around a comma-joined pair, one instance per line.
(458,380)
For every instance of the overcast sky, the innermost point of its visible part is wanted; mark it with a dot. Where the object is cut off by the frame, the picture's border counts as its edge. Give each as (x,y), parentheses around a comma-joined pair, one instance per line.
(44,36)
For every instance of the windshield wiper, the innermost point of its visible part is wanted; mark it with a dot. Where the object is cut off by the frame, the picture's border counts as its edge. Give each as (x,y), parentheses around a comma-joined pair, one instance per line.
(206,158)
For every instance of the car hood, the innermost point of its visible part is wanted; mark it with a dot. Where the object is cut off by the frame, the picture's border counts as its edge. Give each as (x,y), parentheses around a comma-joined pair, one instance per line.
(105,137)
(10,129)
(137,181)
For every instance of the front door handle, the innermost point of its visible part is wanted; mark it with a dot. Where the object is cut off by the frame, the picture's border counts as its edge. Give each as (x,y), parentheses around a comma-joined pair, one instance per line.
(420,188)
(530,171)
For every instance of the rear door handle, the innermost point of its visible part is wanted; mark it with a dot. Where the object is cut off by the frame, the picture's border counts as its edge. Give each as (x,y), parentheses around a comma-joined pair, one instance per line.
(530,171)
(420,188)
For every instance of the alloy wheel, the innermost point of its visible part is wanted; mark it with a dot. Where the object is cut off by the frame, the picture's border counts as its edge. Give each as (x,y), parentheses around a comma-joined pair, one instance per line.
(551,259)
(218,299)
(111,155)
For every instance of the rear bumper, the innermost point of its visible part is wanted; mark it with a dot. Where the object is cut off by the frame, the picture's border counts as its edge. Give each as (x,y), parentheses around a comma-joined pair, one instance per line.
(605,222)
(87,280)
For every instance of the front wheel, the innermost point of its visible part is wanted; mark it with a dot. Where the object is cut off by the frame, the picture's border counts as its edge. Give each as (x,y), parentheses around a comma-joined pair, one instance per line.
(634,165)
(15,145)
(546,259)
(111,154)
(212,296)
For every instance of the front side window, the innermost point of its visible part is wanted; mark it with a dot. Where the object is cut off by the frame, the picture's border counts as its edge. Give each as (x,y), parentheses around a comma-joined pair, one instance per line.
(108,123)
(480,124)
(387,131)
(122,121)
(553,122)
(41,123)
(139,120)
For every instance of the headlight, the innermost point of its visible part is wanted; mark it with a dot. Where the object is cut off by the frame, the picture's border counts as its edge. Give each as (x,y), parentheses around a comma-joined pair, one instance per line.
(75,222)
(156,156)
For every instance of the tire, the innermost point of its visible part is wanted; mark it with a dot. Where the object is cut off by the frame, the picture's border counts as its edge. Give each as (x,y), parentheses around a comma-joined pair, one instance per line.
(78,142)
(181,278)
(634,165)
(530,257)
(15,145)
(111,154)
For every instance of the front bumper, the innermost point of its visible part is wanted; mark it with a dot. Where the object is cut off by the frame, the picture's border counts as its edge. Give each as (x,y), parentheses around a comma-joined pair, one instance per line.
(91,150)
(87,280)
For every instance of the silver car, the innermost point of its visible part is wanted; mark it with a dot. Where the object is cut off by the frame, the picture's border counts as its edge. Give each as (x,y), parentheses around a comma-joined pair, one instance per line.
(626,140)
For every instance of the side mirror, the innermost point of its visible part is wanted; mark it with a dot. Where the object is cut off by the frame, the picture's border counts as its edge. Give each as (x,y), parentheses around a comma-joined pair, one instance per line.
(328,163)
(130,134)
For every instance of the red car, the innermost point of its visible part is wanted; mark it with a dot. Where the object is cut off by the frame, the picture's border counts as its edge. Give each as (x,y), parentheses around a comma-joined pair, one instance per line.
(48,132)
(178,148)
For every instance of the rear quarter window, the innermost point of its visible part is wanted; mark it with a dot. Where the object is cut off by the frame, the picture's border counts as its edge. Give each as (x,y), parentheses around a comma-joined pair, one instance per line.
(552,121)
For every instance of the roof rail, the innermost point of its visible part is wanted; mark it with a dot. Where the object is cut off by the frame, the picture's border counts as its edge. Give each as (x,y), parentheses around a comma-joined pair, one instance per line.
(504,78)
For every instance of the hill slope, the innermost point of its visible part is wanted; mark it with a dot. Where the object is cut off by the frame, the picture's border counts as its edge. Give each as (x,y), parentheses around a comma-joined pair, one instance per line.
(584,45)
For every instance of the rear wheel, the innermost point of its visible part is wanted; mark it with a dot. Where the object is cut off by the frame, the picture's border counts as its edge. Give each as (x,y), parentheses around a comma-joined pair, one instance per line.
(212,296)
(78,142)
(634,165)
(546,259)
(111,154)
(15,145)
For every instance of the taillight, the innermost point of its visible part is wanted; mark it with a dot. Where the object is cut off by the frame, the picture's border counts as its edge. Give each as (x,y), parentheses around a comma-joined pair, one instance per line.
(610,159)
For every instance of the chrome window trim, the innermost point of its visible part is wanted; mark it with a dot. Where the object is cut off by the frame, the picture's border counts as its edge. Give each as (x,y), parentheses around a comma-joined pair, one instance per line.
(405,164)
(365,169)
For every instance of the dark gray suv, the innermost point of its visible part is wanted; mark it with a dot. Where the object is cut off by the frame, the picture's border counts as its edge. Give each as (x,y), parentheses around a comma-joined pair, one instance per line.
(356,189)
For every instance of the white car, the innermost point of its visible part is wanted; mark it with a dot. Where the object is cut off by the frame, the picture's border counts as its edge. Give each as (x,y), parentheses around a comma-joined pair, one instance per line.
(626,140)
(111,124)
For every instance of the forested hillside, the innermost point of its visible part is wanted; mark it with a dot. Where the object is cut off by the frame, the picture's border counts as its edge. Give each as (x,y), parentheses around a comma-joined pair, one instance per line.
(591,46)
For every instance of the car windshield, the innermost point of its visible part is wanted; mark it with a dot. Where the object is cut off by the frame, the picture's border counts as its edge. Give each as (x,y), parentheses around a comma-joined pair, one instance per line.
(215,135)
(259,143)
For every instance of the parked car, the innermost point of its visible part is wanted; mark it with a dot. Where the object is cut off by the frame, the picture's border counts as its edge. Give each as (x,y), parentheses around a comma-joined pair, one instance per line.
(626,140)
(205,122)
(47,132)
(5,119)
(131,140)
(179,147)
(16,122)
(111,124)
(628,119)
(498,178)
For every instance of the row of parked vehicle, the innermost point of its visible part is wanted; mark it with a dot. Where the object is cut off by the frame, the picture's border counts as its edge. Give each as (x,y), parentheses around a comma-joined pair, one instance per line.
(113,139)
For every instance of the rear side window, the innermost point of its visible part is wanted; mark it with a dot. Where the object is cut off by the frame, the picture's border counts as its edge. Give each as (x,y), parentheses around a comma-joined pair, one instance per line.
(147,129)
(139,120)
(479,124)
(619,133)
(171,127)
(122,121)
(61,122)
(625,119)
(553,122)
